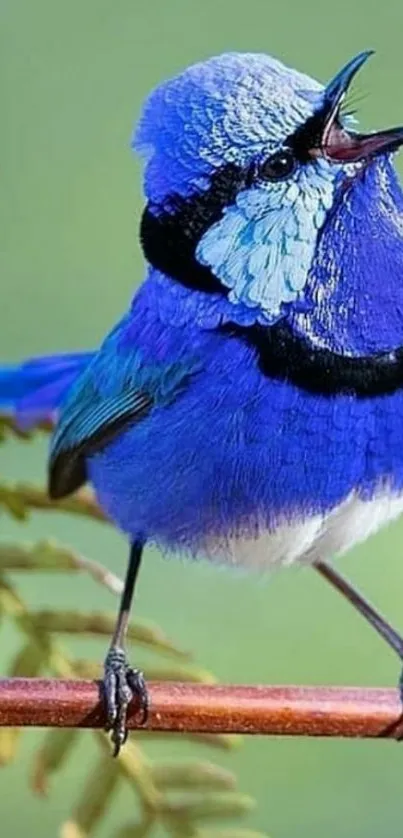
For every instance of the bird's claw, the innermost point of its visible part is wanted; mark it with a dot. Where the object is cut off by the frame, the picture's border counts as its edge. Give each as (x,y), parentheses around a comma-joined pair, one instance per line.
(120,685)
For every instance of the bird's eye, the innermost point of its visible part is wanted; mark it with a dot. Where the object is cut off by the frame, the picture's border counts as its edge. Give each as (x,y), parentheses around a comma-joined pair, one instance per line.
(279,166)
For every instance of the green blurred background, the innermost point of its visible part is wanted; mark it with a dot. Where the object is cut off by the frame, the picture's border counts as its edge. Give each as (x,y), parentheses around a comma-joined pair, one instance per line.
(74,77)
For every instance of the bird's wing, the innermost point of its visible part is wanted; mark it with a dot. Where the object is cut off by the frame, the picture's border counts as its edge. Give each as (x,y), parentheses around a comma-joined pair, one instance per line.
(88,422)
(116,390)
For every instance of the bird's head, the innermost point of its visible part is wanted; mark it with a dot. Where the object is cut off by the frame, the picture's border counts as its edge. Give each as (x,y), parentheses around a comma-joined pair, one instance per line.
(246,160)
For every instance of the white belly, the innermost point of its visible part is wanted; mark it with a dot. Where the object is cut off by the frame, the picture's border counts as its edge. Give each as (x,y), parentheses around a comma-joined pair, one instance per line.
(312,539)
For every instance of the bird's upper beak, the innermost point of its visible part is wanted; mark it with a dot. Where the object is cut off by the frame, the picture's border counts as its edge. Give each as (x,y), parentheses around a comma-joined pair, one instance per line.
(334,141)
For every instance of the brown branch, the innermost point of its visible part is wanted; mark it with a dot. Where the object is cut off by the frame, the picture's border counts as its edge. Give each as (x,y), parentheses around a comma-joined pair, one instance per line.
(9,422)
(202,708)
(29,496)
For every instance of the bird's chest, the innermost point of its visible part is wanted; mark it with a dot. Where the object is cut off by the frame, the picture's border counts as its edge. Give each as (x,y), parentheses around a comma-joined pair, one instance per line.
(241,455)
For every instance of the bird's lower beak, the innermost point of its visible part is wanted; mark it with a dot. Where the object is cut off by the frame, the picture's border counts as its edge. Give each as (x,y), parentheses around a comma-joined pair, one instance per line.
(335,142)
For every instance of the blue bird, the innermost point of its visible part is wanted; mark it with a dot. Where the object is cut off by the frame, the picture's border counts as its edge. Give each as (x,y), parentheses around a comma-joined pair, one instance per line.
(245,408)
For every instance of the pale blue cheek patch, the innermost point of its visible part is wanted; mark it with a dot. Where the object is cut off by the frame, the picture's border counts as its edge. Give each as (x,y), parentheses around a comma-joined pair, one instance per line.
(262,247)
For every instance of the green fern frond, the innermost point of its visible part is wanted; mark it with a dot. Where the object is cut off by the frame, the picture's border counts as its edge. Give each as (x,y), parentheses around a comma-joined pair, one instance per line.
(177,796)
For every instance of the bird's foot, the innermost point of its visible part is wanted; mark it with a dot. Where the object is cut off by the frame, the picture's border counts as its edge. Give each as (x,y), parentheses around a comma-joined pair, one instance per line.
(120,685)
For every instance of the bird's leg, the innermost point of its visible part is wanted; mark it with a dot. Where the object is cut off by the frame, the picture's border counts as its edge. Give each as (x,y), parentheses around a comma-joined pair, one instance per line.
(373,617)
(121,683)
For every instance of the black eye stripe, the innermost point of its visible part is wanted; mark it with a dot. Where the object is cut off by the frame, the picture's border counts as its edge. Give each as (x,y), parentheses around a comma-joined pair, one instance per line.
(169,236)
(308,136)
(279,166)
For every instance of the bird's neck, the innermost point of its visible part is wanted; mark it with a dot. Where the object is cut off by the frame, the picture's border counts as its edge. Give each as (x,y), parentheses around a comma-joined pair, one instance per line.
(354,292)
(356,281)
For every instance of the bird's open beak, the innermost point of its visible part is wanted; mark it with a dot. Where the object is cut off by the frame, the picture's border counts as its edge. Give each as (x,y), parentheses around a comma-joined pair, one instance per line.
(337,143)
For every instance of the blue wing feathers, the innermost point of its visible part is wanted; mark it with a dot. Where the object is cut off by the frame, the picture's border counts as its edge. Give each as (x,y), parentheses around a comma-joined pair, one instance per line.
(94,395)
(115,390)
(88,429)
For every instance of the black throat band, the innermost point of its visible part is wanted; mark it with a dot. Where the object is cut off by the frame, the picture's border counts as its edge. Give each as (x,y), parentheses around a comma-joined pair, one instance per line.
(169,239)
(284,355)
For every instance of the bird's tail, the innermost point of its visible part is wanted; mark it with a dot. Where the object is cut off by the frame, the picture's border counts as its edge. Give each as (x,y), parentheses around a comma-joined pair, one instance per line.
(34,390)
